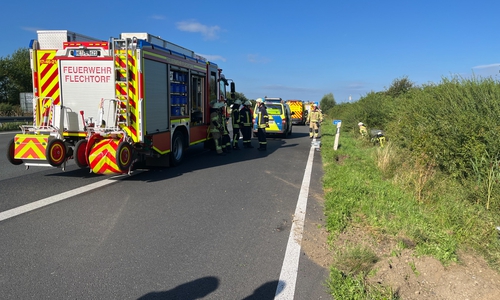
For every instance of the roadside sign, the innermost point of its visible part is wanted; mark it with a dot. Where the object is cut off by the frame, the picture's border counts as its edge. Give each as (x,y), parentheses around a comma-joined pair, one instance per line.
(338,123)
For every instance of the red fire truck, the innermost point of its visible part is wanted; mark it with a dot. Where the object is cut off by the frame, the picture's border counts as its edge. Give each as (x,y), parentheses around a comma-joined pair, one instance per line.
(135,99)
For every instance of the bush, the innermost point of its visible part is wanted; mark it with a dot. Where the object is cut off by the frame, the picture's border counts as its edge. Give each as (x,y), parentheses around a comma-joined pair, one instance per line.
(6,109)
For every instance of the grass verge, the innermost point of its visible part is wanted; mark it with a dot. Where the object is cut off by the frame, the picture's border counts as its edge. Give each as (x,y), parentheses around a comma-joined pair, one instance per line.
(392,197)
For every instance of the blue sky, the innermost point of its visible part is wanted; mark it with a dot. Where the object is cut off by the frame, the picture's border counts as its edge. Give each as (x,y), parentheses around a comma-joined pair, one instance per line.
(291,49)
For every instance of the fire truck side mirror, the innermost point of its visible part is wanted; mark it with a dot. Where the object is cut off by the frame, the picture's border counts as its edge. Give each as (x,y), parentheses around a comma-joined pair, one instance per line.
(233,90)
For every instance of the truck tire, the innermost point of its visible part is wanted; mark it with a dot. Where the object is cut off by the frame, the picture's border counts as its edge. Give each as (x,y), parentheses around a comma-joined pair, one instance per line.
(56,152)
(10,154)
(124,156)
(80,154)
(177,150)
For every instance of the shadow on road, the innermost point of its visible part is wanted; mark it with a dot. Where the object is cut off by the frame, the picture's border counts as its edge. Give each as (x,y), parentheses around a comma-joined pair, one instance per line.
(197,158)
(202,287)
(192,290)
(267,291)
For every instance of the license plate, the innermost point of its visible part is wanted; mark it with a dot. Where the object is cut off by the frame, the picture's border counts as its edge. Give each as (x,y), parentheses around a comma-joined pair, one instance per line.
(86,52)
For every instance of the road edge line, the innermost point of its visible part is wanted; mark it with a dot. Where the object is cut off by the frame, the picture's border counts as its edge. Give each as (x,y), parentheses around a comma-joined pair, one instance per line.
(290,267)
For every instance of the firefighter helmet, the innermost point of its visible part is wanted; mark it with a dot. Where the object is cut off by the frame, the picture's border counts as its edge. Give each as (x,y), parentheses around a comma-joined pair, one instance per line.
(217,105)
(360,124)
(237,102)
(248,103)
(259,100)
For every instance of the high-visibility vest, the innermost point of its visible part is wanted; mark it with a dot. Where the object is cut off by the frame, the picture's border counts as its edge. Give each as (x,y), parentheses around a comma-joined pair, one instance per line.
(315,116)
(215,118)
(246,116)
(263,117)
(235,118)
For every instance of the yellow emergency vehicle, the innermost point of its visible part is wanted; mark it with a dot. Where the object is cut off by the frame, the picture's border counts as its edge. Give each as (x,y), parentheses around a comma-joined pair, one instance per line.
(298,111)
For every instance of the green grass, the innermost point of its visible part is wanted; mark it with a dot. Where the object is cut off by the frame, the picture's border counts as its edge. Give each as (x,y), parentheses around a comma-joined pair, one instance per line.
(353,287)
(395,197)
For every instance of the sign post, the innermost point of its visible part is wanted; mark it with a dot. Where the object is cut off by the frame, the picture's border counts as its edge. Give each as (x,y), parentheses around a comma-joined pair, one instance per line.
(337,135)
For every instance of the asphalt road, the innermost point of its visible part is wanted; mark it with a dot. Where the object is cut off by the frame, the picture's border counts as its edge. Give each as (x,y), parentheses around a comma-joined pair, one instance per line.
(212,228)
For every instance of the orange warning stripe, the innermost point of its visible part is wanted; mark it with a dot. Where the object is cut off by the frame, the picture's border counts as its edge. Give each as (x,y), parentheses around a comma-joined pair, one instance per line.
(48,75)
(121,90)
(103,45)
(297,108)
(28,146)
(102,158)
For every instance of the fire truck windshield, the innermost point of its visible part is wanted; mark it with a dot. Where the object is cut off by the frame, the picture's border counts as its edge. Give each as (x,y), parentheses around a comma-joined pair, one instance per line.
(222,87)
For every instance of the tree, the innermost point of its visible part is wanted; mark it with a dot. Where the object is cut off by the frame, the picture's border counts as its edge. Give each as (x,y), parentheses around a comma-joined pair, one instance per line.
(237,95)
(399,87)
(15,76)
(327,102)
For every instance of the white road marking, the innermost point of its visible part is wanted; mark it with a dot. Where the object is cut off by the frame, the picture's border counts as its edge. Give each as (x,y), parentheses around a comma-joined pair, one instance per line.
(56,198)
(290,267)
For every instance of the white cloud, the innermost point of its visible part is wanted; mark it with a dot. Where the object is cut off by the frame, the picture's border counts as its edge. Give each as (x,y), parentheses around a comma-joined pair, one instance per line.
(30,29)
(256,59)
(355,86)
(212,57)
(278,87)
(490,70)
(208,32)
(158,17)
(486,66)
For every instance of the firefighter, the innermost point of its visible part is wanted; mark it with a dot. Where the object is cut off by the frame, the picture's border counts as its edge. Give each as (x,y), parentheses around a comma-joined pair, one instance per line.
(216,127)
(263,119)
(362,129)
(314,119)
(224,118)
(235,121)
(246,124)
(226,139)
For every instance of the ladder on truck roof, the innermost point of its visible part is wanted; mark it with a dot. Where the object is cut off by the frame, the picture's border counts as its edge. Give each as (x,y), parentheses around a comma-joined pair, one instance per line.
(121,61)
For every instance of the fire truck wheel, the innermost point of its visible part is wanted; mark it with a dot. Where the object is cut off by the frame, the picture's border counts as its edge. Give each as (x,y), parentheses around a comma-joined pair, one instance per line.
(124,156)
(10,154)
(177,153)
(56,152)
(80,154)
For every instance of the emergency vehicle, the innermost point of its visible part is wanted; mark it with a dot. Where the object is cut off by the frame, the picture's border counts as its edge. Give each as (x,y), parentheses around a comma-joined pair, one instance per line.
(280,119)
(133,100)
(298,109)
